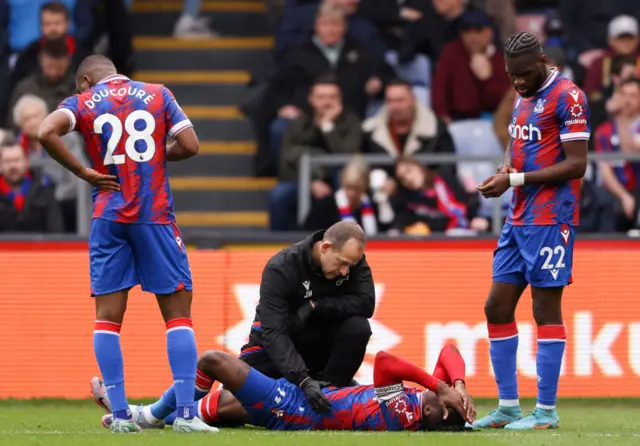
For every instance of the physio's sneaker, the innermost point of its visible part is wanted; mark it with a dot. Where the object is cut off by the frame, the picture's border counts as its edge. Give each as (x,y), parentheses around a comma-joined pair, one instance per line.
(538,419)
(194,425)
(499,418)
(120,426)
(99,392)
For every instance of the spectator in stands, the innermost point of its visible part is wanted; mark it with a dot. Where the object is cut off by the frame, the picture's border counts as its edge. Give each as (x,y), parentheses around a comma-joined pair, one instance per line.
(54,81)
(55,23)
(29,112)
(405,127)
(425,203)
(298,21)
(24,23)
(105,26)
(445,24)
(503,13)
(329,128)
(27,201)
(352,201)
(624,40)
(620,178)
(470,76)
(596,210)
(358,70)
(586,22)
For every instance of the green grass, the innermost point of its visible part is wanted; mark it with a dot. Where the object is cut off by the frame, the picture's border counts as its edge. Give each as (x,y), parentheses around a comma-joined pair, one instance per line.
(70,423)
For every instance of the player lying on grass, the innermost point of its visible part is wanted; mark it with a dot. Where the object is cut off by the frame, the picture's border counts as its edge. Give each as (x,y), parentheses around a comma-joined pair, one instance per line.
(250,397)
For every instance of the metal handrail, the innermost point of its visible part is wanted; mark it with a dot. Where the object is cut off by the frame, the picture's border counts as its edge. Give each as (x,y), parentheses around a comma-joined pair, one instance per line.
(308,162)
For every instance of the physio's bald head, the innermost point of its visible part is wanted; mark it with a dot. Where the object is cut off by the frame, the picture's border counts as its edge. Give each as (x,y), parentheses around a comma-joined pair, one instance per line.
(92,70)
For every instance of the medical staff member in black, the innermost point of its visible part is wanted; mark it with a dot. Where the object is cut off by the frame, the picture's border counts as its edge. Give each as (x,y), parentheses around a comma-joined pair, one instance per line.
(311,324)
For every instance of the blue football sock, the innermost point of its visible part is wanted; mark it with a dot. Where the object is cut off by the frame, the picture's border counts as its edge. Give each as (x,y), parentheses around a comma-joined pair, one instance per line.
(106,345)
(169,419)
(551,342)
(183,359)
(503,350)
(167,403)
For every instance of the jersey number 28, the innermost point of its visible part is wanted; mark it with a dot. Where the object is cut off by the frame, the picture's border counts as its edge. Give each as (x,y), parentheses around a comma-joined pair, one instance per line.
(133,135)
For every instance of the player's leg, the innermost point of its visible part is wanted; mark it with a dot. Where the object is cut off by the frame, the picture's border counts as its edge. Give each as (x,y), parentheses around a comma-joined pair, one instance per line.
(508,284)
(549,268)
(163,268)
(261,397)
(112,275)
(339,350)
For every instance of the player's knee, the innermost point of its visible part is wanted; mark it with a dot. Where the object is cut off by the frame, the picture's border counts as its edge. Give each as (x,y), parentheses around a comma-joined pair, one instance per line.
(545,314)
(496,311)
(211,362)
(357,328)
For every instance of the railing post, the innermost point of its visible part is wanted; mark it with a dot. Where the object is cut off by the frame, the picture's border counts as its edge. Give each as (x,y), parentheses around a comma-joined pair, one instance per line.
(304,187)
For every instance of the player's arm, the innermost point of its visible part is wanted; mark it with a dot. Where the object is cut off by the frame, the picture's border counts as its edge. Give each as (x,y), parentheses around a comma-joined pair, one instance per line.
(59,123)
(572,112)
(274,320)
(573,166)
(180,128)
(185,146)
(359,299)
(451,369)
(49,134)
(390,371)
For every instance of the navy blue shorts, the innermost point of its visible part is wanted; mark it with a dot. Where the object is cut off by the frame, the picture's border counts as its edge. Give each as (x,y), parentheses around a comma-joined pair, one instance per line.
(125,255)
(541,256)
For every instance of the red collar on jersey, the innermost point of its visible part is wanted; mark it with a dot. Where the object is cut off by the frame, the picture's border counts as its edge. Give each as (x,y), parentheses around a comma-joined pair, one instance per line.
(113,78)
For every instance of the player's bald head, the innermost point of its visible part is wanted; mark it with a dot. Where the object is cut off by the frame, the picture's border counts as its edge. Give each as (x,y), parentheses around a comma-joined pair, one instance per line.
(92,70)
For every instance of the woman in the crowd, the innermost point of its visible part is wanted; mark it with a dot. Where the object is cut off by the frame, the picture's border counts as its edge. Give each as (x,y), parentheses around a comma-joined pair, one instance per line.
(425,203)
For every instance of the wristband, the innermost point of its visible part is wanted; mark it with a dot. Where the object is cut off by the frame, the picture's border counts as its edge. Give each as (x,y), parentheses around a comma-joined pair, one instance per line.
(516,179)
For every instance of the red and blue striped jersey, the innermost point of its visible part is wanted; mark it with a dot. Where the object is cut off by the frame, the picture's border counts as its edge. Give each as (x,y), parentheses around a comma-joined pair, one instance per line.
(361,408)
(608,141)
(125,125)
(540,124)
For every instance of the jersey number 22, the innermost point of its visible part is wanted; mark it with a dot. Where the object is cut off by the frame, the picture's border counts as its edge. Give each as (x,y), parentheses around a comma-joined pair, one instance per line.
(133,135)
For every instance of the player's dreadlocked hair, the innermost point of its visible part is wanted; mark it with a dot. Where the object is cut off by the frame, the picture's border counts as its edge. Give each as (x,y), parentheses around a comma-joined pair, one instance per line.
(521,43)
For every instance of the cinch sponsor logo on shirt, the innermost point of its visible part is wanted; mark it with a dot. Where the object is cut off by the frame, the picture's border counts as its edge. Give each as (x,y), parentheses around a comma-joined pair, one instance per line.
(524,132)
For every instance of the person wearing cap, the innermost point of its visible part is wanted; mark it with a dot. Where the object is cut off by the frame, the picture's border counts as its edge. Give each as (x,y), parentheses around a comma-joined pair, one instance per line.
(470,77)
(624,39)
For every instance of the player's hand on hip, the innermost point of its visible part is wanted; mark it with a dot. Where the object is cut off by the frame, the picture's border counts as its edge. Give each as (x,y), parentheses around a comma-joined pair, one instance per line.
(467,402)
(447,397)
(494,186)
(100,181)
(313,392)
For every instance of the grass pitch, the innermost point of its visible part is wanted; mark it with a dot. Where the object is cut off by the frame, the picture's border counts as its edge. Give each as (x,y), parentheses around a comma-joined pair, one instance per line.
(71,423)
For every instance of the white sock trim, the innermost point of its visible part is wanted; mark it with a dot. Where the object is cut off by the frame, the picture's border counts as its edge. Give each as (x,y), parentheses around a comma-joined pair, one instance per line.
(542,406)
(146,412)
(509,403)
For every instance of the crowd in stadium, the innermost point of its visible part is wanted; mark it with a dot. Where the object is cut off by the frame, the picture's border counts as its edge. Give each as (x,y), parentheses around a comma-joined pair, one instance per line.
(388,77)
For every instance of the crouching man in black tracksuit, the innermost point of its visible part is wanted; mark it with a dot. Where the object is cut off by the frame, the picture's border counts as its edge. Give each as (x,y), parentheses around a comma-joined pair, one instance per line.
(311,323)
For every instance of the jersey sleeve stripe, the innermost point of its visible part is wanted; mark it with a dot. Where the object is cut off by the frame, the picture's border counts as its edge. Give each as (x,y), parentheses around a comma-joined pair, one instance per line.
(574,136)
(72,118)
(180,127)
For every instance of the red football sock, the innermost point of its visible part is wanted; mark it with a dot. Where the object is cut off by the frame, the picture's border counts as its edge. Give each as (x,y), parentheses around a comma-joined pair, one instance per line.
(209,407)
